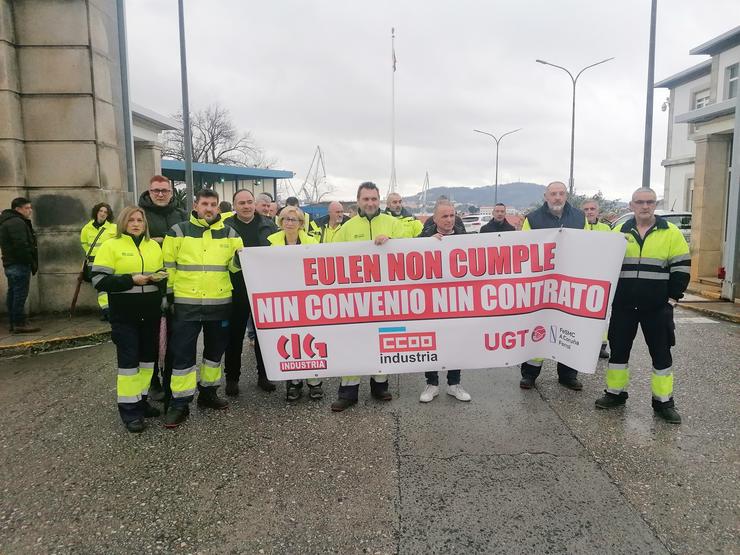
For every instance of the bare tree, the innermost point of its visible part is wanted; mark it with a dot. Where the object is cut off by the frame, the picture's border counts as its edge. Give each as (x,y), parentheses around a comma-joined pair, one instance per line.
(216,141)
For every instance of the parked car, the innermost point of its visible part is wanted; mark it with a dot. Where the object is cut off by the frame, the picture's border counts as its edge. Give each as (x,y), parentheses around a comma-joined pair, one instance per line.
(474,222)
(682,220)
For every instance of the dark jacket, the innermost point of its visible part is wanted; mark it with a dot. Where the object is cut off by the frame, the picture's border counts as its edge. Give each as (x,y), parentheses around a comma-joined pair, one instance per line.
(161,218)
(265,228)
(18,240)
(542,218)
(430,227)
(430,231)
(495,227)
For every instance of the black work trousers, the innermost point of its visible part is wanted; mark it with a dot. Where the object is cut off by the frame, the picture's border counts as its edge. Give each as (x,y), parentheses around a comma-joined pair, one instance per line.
(240,312)
(565,373)
(657,328)
(136,350)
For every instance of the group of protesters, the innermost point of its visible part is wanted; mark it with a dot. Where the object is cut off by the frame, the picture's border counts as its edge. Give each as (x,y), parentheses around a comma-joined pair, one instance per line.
(154,260)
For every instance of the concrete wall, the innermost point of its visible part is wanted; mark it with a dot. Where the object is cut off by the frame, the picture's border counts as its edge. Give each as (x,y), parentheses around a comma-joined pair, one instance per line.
(61,128)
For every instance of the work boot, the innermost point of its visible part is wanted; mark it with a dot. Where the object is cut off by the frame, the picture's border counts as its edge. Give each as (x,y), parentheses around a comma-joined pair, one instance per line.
(667,413)
(611,401)
(25,328)
(232,388)
(571,383)
(150,411)
(341,404)
(527,382)
(156,393)
(176,415)
(265,385)
(315,391)
(135,426)
(380,391)
(603,353)
(208,399)
(105,315)
(293,391)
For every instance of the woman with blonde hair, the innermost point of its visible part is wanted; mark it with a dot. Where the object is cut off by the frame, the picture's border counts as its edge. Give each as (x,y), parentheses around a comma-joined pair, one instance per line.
(131,270)
(291,221)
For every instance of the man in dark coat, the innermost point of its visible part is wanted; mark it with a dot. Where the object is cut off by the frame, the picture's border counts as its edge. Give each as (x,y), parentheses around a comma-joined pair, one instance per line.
(159,206)
(253,228)
(556,212)
(20,260)
(498,223)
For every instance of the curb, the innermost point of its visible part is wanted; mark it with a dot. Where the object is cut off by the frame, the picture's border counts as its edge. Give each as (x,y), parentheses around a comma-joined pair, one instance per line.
(734,318)
(53,344)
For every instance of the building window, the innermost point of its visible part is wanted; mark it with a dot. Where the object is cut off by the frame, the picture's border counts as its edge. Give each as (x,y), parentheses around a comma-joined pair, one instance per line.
(731,81)
(701,99)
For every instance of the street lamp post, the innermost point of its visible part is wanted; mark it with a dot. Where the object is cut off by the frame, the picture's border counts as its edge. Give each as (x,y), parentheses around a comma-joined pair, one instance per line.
(573,110)
(498,140)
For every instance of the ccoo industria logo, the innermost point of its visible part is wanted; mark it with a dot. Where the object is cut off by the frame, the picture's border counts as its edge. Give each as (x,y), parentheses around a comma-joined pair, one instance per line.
(398,346)
(306,353)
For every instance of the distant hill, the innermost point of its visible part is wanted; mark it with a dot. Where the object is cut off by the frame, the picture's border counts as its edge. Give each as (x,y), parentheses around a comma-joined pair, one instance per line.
(517,195)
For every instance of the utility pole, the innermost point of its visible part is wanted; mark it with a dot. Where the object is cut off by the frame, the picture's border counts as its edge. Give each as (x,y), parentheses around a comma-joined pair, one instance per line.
(649,100)
(186,131)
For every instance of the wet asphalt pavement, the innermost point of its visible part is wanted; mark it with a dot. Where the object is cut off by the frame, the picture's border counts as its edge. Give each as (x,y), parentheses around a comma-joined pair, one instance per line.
(513,471)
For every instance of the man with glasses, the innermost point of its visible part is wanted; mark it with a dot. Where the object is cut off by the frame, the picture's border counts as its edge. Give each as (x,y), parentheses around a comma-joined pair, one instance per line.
(159,206)
(158,203)
(655,273)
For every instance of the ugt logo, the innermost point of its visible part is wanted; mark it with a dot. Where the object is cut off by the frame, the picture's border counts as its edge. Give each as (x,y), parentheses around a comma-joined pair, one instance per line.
(307,353)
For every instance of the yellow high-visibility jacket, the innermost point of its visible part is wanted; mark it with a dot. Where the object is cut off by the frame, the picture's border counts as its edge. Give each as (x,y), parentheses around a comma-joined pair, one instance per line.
(360,228)
(278,239)
(89,232)
(198,257)
(115,263)
(598,226)
(655,268)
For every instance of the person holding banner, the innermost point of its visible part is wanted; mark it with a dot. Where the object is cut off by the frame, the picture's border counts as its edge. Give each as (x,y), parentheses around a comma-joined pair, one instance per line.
(291,221)
(199,255)
(556,212)
(444,224)
(368,225)
(590,209)
(254,230)
(654,276)
(130,269)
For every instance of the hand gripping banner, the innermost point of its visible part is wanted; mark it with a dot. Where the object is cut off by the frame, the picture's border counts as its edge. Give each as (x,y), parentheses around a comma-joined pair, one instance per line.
(414,305)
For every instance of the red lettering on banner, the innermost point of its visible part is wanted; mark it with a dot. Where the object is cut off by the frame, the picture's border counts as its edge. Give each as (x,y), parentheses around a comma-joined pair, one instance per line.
(309,271)
(406,342)
(391,303)
(330,270)
(414,265)
(457,257)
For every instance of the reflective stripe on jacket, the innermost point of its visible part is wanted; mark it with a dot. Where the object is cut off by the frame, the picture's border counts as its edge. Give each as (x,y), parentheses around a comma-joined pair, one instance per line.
(198,258)
(116,261)
(89,232)
(655,268)
(598,226)
(360,228)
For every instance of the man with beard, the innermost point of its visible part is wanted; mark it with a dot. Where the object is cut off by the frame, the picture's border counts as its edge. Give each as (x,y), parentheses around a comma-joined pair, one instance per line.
(556,212)
(370,224)
(394,207)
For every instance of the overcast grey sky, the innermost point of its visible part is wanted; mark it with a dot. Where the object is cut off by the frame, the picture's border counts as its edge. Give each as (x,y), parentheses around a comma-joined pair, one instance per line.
(301,73)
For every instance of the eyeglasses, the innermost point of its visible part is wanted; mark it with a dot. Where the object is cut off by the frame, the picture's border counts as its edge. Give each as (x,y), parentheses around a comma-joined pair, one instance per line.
(644,202)
(160,191)
(293,220)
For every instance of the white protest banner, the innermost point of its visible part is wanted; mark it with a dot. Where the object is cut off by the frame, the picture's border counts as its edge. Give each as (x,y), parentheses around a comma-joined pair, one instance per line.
(413,305)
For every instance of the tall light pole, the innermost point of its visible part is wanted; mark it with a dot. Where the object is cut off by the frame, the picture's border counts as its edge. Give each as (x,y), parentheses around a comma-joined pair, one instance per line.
(573,111)
(186,131)
(647,147)
(495,189)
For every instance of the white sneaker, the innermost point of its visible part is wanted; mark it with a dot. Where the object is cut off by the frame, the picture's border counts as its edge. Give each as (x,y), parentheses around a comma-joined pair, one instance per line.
(429,393)
(458,392)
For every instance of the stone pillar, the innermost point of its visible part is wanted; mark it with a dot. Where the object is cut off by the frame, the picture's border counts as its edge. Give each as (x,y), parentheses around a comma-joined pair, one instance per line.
(61,128)
(148,163)
(710,189)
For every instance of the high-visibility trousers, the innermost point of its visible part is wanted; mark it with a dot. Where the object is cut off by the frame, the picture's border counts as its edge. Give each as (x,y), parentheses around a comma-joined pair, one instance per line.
(658,329)
(136,350)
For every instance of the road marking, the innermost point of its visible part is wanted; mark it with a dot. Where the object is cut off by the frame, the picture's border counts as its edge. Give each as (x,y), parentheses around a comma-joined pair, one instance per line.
(695,320)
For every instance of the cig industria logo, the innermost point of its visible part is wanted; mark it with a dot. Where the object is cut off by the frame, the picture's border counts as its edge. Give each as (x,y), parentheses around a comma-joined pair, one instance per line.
(306,353)
(399,346)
